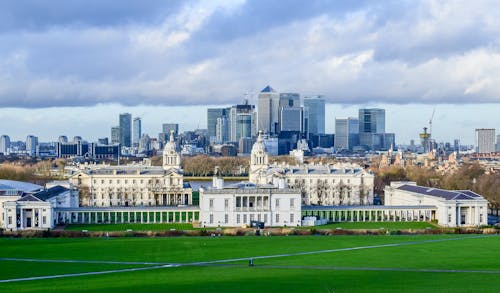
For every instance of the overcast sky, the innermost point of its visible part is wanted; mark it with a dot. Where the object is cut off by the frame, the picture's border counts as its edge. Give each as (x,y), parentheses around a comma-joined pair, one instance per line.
(70,67)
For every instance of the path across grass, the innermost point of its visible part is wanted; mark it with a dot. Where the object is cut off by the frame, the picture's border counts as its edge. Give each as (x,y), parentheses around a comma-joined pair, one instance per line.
(417,263)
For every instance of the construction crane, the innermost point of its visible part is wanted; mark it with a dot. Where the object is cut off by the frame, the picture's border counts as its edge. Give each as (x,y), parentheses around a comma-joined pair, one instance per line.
(430,121)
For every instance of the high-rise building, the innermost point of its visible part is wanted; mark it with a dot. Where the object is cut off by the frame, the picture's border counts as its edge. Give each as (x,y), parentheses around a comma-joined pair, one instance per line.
(242,119)
(346,133)
(222,131)
(289,100)
(103,141)
(291,119)
(485,140)
(115,135)
(212,115)
(456,145)
(268,108)
(63,139)
(169,127)
(372,120)
(315,109)
(125,129)
(136,132)
(31,145)
(4,144)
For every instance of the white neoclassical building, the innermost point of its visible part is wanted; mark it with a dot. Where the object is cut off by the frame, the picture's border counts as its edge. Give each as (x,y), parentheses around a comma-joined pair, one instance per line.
(30,208)
(135,185)
(320,184)
(241,203)
(454,208)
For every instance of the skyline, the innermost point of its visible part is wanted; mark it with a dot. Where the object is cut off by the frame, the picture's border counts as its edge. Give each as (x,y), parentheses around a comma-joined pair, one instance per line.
(89,59)
(95,122)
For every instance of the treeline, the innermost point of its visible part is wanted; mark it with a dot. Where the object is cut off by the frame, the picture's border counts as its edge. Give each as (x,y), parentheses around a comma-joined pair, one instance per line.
(467,177)
(204,166)
(38,173)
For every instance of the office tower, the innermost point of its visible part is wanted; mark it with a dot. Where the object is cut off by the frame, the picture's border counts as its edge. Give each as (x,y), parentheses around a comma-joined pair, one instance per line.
(371,120)
(77,138)
(291,119)
(315,108)
(31,145)
(168,127)
(212,115)
(485,140)
(145,144)
(63,139)
(289,100)
(4,144)
(346,133)
(125,129)
(456,145)
(222,130)
(241,121)
(136,132)
(115,135)
(103,141)
(268,108)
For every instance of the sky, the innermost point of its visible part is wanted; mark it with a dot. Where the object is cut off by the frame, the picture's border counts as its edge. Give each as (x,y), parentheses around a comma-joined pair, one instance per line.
(70,67)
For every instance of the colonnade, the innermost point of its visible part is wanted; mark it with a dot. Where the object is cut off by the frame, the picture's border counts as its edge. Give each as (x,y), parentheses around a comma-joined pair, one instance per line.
(373,215)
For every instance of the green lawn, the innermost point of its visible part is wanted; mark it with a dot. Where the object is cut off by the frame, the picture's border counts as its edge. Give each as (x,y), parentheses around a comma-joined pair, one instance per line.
(325,272)
(134,227)
(377,225)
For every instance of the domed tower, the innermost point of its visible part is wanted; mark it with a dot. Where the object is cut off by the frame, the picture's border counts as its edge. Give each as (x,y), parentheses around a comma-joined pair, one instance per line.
(171,158)
(258,160)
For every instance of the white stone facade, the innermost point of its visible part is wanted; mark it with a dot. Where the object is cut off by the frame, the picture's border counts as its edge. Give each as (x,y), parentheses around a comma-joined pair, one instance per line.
(239,204)
(339,184)
(135,185)
(453,208)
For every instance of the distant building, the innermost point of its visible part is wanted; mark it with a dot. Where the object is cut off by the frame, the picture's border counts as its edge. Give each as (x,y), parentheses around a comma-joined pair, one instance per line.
(32,145)
(115,135)
(212,115)
(222,131)
(268,109)
(485,140)
(4,144)
(137,132)
(126,129)
(346,133)
(245,145)
(103,140)
(63,139)
(169,127)
(372,135)
(315,106)
(291,119)
(242,121)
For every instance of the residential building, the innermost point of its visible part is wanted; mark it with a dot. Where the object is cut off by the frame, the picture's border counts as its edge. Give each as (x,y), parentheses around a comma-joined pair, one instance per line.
(32,145)
(485,140)
(4,144)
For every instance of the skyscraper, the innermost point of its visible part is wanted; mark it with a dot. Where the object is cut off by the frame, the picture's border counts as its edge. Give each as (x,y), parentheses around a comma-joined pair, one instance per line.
(5,144)
(485,140)
(346,133)
(268,108)
(31,145)
(291,119)
(241,121)
(371,128)
(212,115)
(315,108)
(126,129)
(168,127)
(115,135)
(289,100)
(222,131)
(137,132)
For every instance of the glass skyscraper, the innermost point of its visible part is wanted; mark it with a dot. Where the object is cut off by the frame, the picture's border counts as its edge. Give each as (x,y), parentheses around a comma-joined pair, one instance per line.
(346,133)
(126,129)
(137,132)
(315,108)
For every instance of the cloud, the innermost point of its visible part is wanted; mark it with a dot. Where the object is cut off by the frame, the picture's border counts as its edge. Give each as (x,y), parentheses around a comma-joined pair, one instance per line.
(198,52)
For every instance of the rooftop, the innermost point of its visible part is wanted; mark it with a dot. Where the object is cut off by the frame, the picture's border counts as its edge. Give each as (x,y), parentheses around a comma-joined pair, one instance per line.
(445,194)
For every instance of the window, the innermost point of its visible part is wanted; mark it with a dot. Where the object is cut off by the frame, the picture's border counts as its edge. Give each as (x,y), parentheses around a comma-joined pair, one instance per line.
(211,218)
(292,219)
(226,203)
(480,218)
(277,203)
(102,181)
(259,217)
(449,218)
(126,181)
(211,203)
(226,218)
(44,220)
(252,217)
(292,202)
(238,202)
(110,181)
(10,220)
(265,218)
(277,218)
(244,218)
(237,218)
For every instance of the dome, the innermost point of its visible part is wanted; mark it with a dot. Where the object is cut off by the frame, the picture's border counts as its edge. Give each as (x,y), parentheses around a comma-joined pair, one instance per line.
(170,145)
(259,145)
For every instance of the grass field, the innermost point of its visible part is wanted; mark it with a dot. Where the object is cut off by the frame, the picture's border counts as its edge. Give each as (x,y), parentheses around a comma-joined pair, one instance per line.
(423,263)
